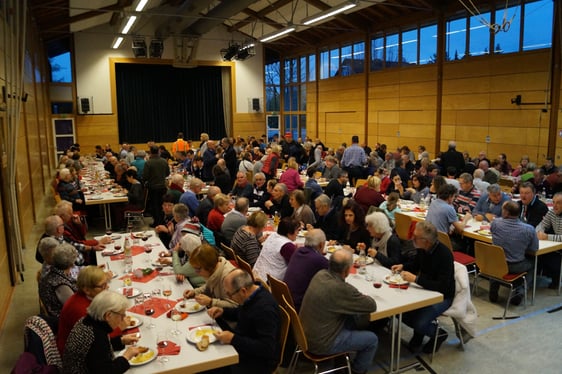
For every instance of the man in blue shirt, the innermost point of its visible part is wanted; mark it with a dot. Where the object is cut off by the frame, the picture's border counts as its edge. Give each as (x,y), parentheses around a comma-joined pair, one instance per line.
(353,160)
(516,238)
(489,205)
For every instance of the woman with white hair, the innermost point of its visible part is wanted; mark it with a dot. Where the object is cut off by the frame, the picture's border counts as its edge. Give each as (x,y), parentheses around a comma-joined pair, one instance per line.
(88,348)
(385,246)
(58,285)
(180,260)
(68,191)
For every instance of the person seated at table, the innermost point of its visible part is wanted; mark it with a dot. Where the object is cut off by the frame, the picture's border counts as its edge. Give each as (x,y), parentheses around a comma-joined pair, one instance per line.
(418,191)
(489,175)
(369,194)
(489,205)
(277,250)
(432,268)
(312,184)
(248,239)
(391,206)
(235,219)
(135,194)
(164,224)
(335,187)
(291,177)
(304,264)
(207,204)
(334,314)
(75,231)
(442,214)
(45,249)
(57,285)
(278,202)
(532,209)
(258,189)
(175,188)
(182,219)
(550,228)
(516,238)
(207,263)
(138,162)
(255,336)
(353,230)
(180,258)
(331,168)
(216,215)
(242,187)
(385,246)
(301,211)
(468,195)
(326,217)
(91,281)
(88,348)
(189,197)
(68,191)
(451,177)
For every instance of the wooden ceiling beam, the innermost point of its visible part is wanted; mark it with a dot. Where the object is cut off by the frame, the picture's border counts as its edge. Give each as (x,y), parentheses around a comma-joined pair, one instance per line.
(262,14)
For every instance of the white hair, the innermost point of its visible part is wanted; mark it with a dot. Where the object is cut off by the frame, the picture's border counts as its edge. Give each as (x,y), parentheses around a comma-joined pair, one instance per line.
(107,301)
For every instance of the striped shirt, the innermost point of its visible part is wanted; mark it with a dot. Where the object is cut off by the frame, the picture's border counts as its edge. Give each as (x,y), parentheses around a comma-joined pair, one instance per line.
(551,223)
(466,201)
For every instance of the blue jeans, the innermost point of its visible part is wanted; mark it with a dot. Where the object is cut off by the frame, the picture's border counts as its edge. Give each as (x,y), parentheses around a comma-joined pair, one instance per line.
(363,342)
(421,320)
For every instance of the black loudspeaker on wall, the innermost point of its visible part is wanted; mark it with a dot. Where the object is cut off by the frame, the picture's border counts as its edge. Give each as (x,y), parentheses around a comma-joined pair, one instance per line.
(85,104)
(256,104)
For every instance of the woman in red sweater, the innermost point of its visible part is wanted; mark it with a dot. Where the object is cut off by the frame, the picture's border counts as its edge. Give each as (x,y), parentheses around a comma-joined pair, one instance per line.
(216,215)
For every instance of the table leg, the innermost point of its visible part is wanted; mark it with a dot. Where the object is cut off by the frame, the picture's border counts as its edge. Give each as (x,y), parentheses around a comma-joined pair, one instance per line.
(534,280)
(559,283)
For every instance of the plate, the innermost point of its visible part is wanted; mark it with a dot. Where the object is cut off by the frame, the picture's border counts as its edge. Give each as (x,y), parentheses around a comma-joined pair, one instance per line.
(119,194)
(368,260)
(140,235)
(112,252)
(137,322)
(115,237)
(95,198)
(194,335)
(143,358)
(190,306)
(484,232)
(420,215)
(395,279)
(333,248)
(254,209)
(134,293)
(302,233)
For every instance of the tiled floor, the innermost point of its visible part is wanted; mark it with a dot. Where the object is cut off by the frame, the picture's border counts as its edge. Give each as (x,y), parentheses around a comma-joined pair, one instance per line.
(530,344)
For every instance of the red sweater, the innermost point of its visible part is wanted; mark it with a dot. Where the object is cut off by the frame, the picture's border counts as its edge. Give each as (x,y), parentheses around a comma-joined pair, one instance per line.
(215,220)
(74,309)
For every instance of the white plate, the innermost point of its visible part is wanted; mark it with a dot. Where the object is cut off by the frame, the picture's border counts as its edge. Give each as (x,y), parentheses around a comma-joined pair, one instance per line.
(194,335)
(95,198)
(332,248)
(395,279)
(111,252)
(137,322)
(302,233)
(484,232)
(135,292)
(368,260)
(115,237)
(190,306)
(253,209)
(144,358)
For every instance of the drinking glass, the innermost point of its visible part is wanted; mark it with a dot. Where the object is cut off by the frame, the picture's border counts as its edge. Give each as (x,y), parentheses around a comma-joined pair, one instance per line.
(148,251)
(149,308)
(167,291)
(175,315)
(162,340)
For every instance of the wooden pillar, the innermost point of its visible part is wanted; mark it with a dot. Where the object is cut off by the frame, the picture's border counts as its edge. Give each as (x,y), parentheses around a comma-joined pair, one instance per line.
(555,76)
(439,83)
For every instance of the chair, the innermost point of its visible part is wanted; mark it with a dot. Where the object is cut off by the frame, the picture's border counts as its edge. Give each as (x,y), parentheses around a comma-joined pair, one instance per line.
(403,223)
(458,256)
(360,183)
(285,324)
(492,264)
(132,216)
(42,308)
(279,289)
(302,346)
(229,253)
(39,339)
(245,266)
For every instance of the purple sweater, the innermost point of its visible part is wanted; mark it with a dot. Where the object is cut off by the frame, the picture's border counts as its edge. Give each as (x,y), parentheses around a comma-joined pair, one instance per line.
(304,264)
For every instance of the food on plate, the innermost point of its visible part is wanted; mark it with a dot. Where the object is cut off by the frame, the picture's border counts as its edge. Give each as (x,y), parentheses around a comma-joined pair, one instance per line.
(142,357)
(132,322)
(143,349)
(204,332)
(395,278)
(195,306)
(331,249)
(203,344)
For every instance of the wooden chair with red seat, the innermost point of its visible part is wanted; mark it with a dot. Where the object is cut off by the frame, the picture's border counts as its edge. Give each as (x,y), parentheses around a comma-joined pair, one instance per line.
(136,215)
(492,264)
(279,289)
(460,257)
(245,266)
(230,254)
(403,224)
(302,346)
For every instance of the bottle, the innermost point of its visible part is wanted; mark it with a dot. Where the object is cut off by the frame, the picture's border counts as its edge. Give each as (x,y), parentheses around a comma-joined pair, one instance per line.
(276,219)
(543,194)
(128,254)
(362,261)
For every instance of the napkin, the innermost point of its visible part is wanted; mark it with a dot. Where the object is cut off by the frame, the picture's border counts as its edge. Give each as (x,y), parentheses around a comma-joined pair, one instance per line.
(135,250)
(160,306)
(401,286)
(144,278)
(170,349)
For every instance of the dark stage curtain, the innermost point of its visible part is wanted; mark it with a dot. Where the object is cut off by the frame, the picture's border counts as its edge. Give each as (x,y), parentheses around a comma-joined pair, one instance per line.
(155,102)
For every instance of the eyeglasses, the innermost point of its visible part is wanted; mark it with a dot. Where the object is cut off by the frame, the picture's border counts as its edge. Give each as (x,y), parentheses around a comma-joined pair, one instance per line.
(230,294)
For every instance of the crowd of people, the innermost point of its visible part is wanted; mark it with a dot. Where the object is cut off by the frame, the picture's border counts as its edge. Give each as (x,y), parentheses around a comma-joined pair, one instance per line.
(245,194)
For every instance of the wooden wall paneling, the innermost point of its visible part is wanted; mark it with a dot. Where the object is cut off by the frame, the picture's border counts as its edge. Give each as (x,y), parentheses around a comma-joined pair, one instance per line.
(248,124)
(99,129)
(339,127)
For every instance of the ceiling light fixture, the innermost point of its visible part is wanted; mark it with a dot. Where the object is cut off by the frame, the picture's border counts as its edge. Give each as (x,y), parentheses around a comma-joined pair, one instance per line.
(117,42)
(139,47)
(329,13)
(277,34)
(141,5)
(246,51)
(129,24)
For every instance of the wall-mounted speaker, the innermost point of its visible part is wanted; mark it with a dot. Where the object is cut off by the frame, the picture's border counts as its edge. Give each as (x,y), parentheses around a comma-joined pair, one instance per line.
(256,104)
(85,105)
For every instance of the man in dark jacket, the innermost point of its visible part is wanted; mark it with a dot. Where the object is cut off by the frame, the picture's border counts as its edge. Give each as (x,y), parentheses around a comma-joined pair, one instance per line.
(452,158)
(155,171)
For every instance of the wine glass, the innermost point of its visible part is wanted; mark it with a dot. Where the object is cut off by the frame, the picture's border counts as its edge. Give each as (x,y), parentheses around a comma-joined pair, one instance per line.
(129,226)
(167,291)
(149,308)
(162,343)
(175,315)
(108,232)
(147,250)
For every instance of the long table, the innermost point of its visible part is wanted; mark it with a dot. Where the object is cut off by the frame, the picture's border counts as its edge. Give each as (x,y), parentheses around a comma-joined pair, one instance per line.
(472,231)
(393,302)
(190,360)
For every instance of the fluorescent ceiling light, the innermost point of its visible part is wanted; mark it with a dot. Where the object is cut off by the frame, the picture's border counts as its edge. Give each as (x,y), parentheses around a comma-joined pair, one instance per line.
(141,5)
(117,42)
(328,13)
(129,24)
(277,34)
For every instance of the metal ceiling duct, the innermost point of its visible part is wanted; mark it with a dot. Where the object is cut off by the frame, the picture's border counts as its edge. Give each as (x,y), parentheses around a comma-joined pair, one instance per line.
(217,16)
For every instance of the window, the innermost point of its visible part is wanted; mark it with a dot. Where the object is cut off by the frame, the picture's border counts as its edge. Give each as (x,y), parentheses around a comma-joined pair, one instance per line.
(410,47)
(455,39)
(509,23)
(334,62)
(291,73)
(479,35)
(272,86)
(391,49)
(537,27)
(377,53)
(302,69)
(358,57)
(324,65)
(61,68)
(311,68)
(428,44)
(346,61)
